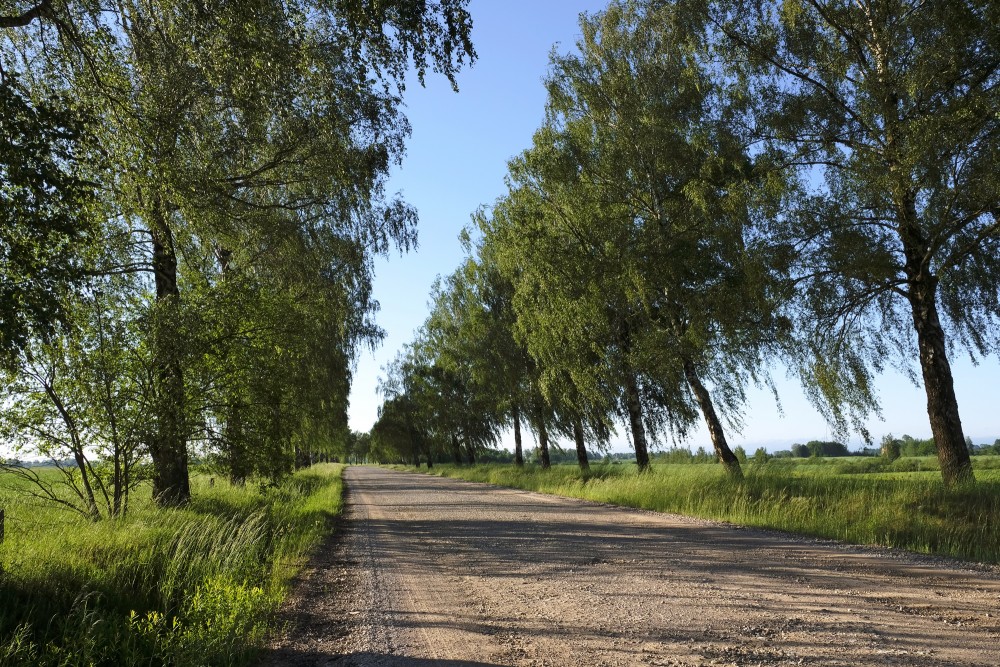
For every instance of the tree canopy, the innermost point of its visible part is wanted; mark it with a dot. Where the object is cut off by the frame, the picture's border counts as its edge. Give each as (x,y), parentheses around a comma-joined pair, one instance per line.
(719,185)
(237,153)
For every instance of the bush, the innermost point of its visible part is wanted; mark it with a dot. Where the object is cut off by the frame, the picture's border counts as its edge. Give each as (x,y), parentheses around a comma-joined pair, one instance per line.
(890,448)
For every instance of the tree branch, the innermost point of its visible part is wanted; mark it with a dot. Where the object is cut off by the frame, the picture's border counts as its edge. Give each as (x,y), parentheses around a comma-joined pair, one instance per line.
(41,10)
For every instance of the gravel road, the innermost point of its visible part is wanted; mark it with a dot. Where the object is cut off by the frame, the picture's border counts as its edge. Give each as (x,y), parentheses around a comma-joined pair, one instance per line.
(429,571)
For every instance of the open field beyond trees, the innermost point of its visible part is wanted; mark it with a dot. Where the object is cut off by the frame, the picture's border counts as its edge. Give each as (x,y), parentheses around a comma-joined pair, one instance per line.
(197,585)
(863,500)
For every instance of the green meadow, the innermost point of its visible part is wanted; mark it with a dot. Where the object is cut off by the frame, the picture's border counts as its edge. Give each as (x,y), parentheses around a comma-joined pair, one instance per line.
(199,585)
(862,500)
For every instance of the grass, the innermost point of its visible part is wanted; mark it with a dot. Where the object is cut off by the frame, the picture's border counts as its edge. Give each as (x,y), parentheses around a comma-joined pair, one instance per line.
(193,586)
(854,500)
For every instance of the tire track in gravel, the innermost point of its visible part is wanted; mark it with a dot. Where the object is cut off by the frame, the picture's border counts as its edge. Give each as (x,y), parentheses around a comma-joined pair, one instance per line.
(432,571)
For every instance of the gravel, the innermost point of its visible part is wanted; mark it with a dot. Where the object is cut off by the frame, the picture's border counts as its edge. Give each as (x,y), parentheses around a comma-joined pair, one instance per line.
(431,571)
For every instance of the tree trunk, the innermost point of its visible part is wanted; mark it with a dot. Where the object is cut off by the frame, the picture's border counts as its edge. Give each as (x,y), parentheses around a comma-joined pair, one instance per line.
(301,458)
(236,455)
(704,399)
(234,444)
(470,452)
(543,441)
(88,496)
(167,446)
(581,446)
(939,386)
(518,450)
(634,406)
(119,489)
(77,448)
(942,404)
(111,412)
(456,449)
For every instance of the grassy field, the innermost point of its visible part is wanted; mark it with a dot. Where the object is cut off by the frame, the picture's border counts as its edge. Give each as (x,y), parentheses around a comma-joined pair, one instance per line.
(860,500)
(192,586)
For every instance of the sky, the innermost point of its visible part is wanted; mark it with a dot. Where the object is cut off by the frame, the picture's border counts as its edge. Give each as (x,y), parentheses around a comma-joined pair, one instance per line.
(455,162)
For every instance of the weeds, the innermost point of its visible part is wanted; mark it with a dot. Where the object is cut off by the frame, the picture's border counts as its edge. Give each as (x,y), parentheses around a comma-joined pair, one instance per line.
(192,586)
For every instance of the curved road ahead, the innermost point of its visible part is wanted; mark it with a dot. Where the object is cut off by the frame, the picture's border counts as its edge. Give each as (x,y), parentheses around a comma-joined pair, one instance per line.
(431,571)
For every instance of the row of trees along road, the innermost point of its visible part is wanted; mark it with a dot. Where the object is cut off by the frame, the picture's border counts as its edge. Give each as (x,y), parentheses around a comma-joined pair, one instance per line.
(192,195)
(719,186)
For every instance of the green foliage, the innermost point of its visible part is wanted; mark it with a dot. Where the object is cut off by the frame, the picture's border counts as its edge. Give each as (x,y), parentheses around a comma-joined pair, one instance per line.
(83,396)
(819,448)
(627,236)
(676,455)
(909,446)
(989,450)
(883,117)
(193,586)
(890,450)
(827,448)
(239,164)
(47,211)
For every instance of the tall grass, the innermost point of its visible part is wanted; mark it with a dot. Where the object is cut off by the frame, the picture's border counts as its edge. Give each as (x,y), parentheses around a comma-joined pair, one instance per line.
(194,586)
(834,499)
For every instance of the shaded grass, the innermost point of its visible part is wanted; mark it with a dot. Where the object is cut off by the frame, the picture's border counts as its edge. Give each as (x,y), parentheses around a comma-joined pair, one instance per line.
(886,507)
(198,585)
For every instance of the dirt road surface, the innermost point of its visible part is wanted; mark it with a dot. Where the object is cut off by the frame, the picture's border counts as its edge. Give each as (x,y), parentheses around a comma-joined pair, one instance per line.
(431,571)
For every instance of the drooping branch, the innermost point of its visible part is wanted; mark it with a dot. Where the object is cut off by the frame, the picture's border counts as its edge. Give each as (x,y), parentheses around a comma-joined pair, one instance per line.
(39,11)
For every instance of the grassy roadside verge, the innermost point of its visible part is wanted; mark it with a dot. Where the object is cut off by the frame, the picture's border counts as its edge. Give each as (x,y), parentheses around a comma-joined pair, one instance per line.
(907,511)
(194,586)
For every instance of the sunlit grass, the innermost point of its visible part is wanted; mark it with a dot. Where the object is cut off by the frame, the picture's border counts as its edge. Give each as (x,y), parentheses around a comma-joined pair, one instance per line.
(883,506)
(193,586)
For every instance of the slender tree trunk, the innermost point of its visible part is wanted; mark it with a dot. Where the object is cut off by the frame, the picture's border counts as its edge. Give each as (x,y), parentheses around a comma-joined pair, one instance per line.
(111,412)
(518,450)
(236,454)
(127,476)
(77,448)
(300,458)
(415,454)
(456,449)
(81,464)
(119,490)
(234,441)
(470,452)
(715,430)
(543,440)
(581,446)
(634,406)
(168,446)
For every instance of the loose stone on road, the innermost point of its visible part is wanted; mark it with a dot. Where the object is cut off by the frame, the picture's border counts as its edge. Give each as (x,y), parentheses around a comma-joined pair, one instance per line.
(432,571)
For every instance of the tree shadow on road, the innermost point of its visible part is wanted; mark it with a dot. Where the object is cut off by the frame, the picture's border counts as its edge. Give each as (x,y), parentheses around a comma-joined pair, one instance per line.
(300,658)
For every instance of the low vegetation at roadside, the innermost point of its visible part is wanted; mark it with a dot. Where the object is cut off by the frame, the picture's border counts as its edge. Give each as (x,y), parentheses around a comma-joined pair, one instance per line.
(197,585)
(860,500)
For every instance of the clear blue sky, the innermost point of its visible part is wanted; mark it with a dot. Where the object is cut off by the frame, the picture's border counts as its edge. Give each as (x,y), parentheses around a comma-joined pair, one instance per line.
(456,160)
